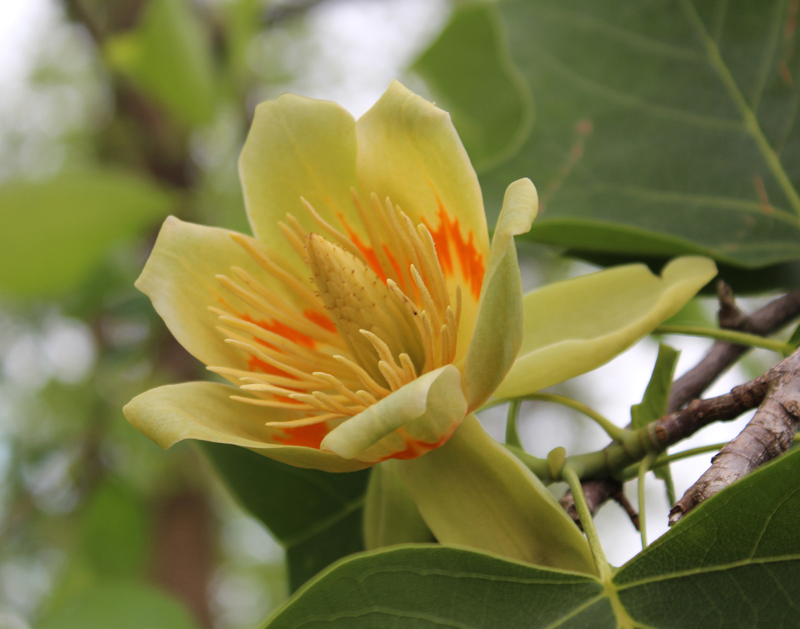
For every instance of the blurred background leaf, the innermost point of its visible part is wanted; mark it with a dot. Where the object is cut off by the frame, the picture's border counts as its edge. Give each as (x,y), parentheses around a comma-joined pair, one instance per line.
(169,57)
(55,231)
(122,606)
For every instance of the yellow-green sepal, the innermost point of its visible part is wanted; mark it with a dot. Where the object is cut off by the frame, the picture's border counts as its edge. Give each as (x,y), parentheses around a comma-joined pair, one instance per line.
(422,412)
(204,411)
(577,325)
(390,514)
(499,324)
(473,492)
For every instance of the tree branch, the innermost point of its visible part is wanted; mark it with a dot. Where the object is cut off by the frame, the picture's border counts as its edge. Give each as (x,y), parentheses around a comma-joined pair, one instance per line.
(769,434)
(767,320)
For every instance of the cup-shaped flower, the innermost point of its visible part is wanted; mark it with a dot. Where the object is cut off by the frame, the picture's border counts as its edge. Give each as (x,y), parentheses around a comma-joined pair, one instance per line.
(348,321)
(369,316)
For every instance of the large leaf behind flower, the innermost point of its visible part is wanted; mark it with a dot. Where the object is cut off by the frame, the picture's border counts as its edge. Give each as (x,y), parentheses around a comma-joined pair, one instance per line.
(315,515)
(732,562)
(646,143)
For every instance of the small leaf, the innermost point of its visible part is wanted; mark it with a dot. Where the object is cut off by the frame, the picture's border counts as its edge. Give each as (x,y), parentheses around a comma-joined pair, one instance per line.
(656,396)
(654,404)
(123,605)
(473,78)
(114,532)
(54,231)
(317,516)
(169,57)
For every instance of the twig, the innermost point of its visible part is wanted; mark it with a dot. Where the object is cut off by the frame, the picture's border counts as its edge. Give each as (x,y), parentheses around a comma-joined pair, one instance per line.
(767,320)
(597,491)
(769,434)
(722,355)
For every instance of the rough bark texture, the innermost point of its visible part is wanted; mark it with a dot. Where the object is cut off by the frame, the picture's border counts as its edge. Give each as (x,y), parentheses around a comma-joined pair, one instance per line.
(769,434)
(767,320)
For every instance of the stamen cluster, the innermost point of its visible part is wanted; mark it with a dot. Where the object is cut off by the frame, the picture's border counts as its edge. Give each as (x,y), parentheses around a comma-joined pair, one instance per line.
(381,315)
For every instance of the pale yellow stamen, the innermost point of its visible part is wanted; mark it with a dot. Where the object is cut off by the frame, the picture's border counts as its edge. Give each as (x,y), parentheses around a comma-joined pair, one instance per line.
(386,336)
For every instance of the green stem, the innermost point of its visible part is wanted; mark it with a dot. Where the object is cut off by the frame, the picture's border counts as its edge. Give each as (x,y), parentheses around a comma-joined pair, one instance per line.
(512,435)
(730,336)
(644,467)
(603,568)
(610,428)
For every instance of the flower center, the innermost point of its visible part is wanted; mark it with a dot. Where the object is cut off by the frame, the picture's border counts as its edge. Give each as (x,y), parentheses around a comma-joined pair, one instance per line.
(381,316)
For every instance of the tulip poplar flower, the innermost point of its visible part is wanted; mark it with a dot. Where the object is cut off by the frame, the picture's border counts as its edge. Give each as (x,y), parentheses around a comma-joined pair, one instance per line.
(369,317)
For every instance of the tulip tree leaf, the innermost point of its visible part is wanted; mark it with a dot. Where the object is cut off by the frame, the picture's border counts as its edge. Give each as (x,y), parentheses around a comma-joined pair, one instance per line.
(732,562)
(440,586)
(494,120)
(729,563)
(123,605)
(54,231)
(647,143)
(316,516)
(169,57)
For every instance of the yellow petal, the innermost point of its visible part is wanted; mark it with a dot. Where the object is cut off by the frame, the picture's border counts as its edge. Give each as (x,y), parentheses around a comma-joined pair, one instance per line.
(299,147)
(409,151)
(180,279)
(575,326)
(204,410)
(499,325)
(415,418)
(473,492)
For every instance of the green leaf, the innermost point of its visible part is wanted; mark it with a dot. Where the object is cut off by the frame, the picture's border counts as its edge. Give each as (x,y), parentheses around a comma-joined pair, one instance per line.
(114,532)
(121,606)
(656,396)
(54,231)
(731,563)
(654,404)
(317,516)
(169,57)
(494,119)
(429,587)
(661,129)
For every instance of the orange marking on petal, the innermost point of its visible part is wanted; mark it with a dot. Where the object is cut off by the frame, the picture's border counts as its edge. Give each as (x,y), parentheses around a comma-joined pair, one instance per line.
(309,436)
(256,364)
(320,319)
(283,330)
(395,266)
(415,448)
(366,251)
(447,238)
